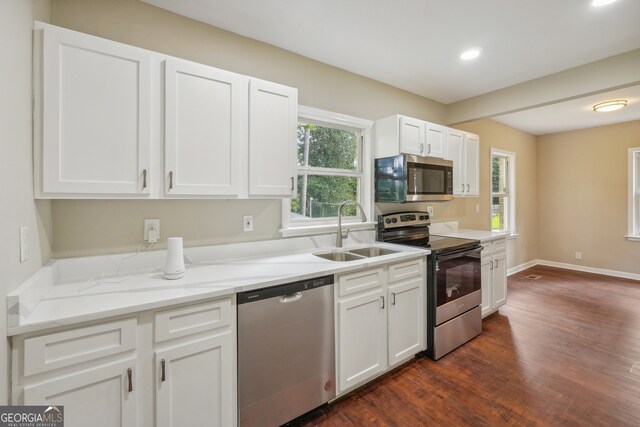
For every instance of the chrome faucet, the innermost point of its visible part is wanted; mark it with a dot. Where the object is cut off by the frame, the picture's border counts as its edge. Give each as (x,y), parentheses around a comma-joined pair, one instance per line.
(339,235)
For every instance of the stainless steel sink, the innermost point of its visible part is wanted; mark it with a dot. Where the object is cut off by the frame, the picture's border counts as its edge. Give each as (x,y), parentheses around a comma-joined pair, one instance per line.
(340,256)
(372,251)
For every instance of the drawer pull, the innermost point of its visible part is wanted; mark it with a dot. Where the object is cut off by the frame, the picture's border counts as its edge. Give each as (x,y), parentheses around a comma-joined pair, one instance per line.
(129,379)
(393,298)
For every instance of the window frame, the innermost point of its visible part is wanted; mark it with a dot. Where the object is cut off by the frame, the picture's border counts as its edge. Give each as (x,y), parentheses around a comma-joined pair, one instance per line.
(302,227)
(633,201)
(511,188)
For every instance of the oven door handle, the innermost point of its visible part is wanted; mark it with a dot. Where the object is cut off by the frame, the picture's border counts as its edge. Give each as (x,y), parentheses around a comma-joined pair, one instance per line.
(458,254)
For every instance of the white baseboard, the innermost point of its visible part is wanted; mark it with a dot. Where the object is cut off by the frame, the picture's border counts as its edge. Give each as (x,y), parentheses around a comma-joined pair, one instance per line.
(567,266)
(521,267)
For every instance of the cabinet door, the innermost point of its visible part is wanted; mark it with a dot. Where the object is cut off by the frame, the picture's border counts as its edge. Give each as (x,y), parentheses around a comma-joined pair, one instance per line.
(273,121)
(194,384)
(95,123)
(455,153)
(100,397)
(472,169)
(203,129)
(362,339)
(486,277)
(406,319)
(412,136)
(436,140)
(499,288)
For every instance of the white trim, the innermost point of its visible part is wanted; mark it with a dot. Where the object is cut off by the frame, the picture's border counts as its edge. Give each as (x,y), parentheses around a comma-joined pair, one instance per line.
(633,238)
(522,267)
(511,177)
(633,202)
(574,267)
(322,226)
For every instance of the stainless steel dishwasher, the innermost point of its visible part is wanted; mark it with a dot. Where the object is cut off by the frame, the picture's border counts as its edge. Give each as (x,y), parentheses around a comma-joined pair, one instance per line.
(286,351)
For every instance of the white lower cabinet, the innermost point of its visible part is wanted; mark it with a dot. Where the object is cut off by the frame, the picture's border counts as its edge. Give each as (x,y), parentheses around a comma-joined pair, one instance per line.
(362,338)
(192,383)
(105,374)
(493,267)
(382,324)
(105,395)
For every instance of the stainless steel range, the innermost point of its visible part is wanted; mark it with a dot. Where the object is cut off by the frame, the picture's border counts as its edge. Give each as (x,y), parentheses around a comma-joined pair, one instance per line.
(454,291)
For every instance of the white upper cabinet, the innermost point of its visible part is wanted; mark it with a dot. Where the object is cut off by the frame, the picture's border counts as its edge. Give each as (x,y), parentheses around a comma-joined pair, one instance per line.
(204,115)
(464,150)
(436,140)
(405,135)
(273,121)
(110,124)
(412,137)
(92,110)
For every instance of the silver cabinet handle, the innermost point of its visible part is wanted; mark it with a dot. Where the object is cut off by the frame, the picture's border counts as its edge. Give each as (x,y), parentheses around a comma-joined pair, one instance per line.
(129,379)
(170,180)
(496,261)
(428,148)
(144,179)
(291,183)
(393,298)
(468,188)
(162,371)
(491,266)
(382,298)
(463,188)
(421,148)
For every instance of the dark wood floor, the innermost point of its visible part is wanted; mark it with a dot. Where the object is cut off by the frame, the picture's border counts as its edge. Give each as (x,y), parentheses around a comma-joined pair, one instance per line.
(561,352)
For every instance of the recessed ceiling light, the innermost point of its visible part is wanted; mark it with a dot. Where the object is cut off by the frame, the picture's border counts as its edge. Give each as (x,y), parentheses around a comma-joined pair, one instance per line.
(604,107)
(598,3)
(470,54)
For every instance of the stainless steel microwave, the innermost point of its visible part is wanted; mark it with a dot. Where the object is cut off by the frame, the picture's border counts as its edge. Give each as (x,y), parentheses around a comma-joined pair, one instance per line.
(407,178)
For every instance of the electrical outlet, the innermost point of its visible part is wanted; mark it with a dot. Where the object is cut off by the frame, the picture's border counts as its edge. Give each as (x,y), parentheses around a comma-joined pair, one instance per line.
(477,208)
(151,230)
(247,222)
(24,244)
(430,211)
(578,255)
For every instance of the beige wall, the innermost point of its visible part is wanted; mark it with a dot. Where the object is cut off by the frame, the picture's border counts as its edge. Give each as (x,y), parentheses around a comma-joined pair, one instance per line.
(83,227)
(17,207)
(523,247)
(582,182)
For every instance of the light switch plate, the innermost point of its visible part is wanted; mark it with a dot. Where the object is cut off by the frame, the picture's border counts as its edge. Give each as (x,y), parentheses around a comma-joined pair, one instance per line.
(247,222)
(24,244)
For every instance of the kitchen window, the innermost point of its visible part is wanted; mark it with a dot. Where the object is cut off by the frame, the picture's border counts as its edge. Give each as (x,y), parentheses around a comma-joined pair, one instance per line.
(334,158)
(633,232)
(503,206)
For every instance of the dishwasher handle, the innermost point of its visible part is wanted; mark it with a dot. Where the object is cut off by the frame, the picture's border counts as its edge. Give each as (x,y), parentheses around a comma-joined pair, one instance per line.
(291,297)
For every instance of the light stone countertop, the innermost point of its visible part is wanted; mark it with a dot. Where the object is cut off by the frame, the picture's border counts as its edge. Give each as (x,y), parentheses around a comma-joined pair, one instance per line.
(64,292)
(482,235)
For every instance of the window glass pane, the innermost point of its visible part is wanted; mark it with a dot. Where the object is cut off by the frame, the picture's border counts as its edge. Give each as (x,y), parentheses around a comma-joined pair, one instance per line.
(320,196)
(499,175)
(326,147)
(498,213)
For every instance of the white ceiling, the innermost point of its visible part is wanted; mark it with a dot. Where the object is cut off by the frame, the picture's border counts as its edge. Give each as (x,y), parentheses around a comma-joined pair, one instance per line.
(415,44)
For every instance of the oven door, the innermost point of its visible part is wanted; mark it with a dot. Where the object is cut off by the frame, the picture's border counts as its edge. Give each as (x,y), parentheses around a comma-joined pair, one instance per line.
(457,283)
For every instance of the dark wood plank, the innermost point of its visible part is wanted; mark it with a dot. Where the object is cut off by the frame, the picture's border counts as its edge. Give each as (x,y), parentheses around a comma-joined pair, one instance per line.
(560,353)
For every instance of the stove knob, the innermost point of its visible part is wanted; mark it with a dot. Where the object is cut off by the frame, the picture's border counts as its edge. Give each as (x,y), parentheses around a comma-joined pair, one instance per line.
(423,217)
(394,220)
(388,220)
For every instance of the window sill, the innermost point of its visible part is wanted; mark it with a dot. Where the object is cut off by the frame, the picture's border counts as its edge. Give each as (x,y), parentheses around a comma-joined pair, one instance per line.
(311,230)
(633,238)
(512,236)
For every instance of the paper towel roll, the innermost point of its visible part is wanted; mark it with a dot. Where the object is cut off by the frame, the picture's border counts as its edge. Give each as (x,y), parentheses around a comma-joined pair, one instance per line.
(174,268)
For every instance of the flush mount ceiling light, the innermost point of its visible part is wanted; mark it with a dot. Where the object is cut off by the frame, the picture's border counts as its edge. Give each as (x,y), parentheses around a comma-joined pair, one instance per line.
(598,3)
(470,54)
(604,107)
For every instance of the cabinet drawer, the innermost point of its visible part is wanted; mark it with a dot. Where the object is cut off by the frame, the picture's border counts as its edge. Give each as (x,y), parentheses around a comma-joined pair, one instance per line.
(182,321)
(360,281)
(499,246)
(404,270)
(68,348)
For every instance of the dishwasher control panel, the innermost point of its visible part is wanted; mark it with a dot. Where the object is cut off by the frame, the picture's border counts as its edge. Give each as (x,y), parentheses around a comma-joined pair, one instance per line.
(284,290)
